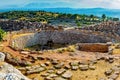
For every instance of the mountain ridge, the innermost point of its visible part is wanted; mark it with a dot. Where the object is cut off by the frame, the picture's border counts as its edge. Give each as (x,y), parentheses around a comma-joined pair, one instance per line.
(88,11)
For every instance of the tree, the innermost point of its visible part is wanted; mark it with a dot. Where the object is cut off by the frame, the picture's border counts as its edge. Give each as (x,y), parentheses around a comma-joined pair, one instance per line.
(103,17)
(115,19)
(92,17)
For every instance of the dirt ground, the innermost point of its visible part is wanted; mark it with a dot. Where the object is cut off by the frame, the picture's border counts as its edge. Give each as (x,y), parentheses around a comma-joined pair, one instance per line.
(101,66)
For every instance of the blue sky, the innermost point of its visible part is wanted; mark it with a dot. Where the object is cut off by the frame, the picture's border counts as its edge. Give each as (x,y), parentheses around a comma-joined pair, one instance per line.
(113,4)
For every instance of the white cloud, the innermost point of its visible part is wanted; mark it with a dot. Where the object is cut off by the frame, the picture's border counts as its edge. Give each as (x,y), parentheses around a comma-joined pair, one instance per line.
(75,3)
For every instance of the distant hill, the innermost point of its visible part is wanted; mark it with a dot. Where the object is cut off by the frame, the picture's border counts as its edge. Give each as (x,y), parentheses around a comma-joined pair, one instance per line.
(88,11)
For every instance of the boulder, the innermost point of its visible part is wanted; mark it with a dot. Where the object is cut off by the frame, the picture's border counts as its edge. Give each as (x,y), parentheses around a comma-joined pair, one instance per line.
(11,76)
(8,72)
(67,75)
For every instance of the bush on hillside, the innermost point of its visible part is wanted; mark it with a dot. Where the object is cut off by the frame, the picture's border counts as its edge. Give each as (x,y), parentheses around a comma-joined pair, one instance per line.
(2,34)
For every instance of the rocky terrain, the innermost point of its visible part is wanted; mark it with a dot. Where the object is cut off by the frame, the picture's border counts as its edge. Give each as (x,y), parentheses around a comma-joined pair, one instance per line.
(90,53)
(107,27)
(8,72)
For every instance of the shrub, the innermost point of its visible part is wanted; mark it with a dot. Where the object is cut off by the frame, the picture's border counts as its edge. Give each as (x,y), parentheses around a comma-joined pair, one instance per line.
(2,34)
(71,49)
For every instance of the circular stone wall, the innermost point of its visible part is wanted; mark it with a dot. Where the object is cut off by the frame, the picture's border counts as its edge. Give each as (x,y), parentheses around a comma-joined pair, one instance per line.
(60,37)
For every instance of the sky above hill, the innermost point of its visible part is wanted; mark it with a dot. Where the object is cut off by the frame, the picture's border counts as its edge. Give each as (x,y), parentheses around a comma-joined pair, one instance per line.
(112,4)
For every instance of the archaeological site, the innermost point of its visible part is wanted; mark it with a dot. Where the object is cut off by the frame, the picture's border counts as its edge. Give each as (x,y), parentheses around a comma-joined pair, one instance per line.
(59,40)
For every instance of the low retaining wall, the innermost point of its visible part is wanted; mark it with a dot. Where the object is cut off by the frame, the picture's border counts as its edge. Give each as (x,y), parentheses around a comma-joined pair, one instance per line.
(93,47)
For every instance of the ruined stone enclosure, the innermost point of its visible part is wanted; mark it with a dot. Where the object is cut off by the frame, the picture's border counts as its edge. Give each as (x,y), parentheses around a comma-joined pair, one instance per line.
(64,37)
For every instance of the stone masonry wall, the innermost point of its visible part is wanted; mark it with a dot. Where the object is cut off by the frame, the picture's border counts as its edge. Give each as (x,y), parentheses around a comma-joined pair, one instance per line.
(62,37)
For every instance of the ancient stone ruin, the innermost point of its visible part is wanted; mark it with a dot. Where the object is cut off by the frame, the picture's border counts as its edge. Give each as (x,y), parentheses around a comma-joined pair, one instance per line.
(59,37)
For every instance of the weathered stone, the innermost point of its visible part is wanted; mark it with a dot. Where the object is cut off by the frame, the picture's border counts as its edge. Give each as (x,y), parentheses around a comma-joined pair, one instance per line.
(113,76)
(34,58)
(59,72)
(38,70)
(42,65)
(25,52)
(2,56)
(117,72)
(108,72)
(111,57)
(67,75)
(59,66)
(50,71)
(52,68)
(91,67)
(75,63)
(94,61)
(22,69)
(60,78)
(11,76)
(47,63)
(109,43)
(67,67)
(45,74)
(24,63)
(74,67)
(8,72)
(54,62)
(48,78)
(116,68)
(53,75)
(84,62)
(111,61)
(83,67)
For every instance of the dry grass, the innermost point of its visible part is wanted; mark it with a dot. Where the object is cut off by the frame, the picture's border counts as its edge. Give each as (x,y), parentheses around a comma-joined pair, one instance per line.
(70,48)
(19,35)
(116,49)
